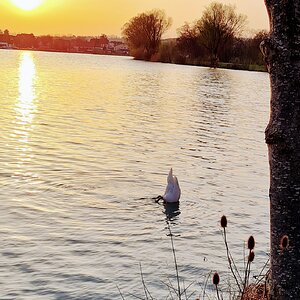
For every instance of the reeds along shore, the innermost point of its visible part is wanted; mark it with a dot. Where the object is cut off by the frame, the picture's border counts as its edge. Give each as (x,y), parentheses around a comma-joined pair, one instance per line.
(246,56)
(245,287)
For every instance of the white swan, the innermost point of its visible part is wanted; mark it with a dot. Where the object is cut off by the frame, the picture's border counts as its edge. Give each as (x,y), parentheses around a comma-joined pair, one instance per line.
(172,193)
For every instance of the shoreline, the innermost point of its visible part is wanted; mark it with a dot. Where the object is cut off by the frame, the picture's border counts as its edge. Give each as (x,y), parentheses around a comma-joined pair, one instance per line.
(221,65)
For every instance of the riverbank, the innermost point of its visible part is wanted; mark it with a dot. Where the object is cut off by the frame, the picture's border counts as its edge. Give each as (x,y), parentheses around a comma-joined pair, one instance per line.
(63,51)
(223,65)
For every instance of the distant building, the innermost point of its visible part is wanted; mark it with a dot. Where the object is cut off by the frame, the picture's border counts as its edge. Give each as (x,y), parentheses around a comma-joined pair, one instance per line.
(45,42)
(77,44)
(5,37)
(4,45)
(121,48)
(25,41)
(99,45)
(62,44)
(80,44)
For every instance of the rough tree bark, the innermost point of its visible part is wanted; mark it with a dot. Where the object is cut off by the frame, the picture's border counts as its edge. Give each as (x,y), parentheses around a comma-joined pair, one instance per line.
(282,55)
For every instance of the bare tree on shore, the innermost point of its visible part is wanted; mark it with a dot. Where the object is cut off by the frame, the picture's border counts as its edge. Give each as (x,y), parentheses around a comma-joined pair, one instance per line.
(143,33)
(218,24)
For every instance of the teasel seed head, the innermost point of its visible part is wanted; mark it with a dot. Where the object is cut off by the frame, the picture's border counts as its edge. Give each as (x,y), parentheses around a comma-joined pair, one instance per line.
(251,243)
(224,221)
(216,279)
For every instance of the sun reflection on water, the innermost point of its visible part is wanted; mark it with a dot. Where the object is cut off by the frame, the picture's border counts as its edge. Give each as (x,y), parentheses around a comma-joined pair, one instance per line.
(27,74)
(26,104)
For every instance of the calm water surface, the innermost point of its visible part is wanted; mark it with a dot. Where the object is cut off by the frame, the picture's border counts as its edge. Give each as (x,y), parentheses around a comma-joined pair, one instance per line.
(87,141)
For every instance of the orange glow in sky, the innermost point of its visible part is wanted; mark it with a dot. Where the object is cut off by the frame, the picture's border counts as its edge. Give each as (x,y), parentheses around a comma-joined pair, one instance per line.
(95,17)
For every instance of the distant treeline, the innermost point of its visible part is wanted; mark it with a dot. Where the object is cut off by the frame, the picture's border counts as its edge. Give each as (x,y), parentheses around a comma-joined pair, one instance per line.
(214,40)
(238,53)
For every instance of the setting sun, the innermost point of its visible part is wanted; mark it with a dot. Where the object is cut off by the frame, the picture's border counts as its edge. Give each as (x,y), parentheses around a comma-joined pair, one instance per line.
(27,4)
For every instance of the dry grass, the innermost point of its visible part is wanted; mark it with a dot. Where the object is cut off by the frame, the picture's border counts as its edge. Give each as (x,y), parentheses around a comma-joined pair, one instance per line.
(256,292)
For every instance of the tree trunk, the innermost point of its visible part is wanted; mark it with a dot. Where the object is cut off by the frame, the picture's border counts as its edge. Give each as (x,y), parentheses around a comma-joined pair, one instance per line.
(281,51)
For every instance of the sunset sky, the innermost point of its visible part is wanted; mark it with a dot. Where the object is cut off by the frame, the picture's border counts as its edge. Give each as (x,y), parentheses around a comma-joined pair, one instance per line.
(94,17)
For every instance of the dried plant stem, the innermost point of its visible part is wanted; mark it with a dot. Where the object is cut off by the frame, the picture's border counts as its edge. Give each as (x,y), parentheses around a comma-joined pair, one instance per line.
(135,296)
(218,293)
(266,292)
(259,277)
(185,290)
(246,279)
(120,292)
(204,289)
(170,288)
(175,262)
(231,261)
(249,271)
(144,285)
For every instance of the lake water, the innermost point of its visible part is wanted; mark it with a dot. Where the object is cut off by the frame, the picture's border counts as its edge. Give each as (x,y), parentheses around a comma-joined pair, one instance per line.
(87,141)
